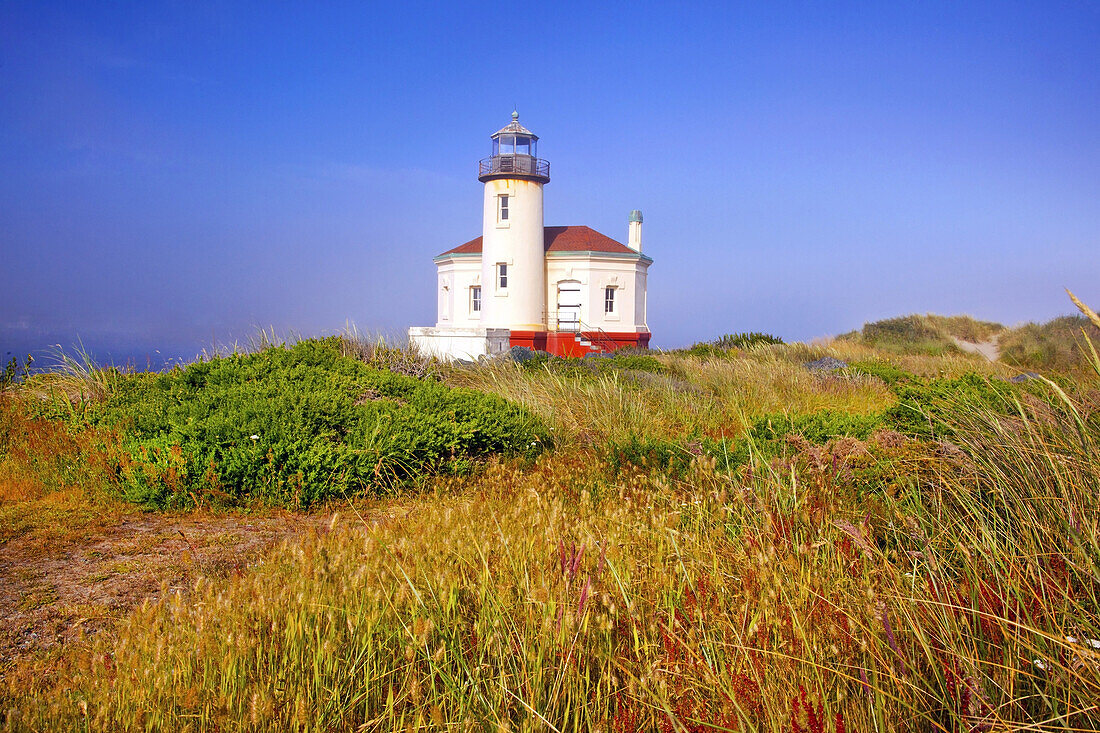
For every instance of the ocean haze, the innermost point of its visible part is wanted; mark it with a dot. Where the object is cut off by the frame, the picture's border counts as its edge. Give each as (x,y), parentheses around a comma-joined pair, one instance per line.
(178,176)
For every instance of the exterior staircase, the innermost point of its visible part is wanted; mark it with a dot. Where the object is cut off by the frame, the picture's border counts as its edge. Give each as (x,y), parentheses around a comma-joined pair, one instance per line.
(593,340)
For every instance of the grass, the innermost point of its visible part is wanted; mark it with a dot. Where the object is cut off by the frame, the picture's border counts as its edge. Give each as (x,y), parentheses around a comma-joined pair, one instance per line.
(927,334)
(880,579)
(1054,345)
(694,395)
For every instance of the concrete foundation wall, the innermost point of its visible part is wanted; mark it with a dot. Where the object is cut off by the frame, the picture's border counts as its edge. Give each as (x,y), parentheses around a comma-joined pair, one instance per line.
(460,343)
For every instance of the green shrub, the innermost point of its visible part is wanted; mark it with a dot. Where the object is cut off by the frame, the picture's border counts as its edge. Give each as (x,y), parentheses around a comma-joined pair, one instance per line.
(731,341)
(746,340)
(296,426)
(766,439)
(572,366)
(816,427)
(633,362)
(652,454)
(924,408)
(884,370)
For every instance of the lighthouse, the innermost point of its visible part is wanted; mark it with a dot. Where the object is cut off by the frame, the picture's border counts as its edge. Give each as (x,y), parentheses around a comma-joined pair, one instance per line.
(568,290)
(513,263)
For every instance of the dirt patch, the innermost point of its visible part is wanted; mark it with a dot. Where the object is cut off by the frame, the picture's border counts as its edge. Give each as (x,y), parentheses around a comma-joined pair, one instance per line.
(989,349)
(51,593)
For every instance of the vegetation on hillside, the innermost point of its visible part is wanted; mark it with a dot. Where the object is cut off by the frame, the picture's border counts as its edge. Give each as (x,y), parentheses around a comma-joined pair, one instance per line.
(734,342)
(289,426)
(1056,344)
(924,334)
(727,542)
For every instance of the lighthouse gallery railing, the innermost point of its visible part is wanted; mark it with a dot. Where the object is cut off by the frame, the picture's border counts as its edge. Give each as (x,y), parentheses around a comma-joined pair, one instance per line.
(525,165)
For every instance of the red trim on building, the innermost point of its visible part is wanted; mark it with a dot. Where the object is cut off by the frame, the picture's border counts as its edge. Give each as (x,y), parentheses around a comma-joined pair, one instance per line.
(531,339)
(564,343)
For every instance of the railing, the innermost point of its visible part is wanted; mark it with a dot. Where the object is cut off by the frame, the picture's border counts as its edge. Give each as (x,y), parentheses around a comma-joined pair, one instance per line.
(568,325)
(595,334)
(524,165)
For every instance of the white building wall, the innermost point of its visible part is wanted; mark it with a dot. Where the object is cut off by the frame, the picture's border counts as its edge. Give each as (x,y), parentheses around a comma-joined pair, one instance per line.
(457,274)
(518,243)
(595,272)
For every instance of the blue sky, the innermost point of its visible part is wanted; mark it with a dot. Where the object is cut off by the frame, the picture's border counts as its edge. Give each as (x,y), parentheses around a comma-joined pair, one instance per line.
(178,173)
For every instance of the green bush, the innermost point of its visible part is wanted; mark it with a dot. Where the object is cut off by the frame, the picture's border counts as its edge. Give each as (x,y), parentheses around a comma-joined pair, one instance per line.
(766,439)
(296,426)
(924,408)
(633,362)
(816,427)
(884,370)
(652,454)
(572,366)
(731,341)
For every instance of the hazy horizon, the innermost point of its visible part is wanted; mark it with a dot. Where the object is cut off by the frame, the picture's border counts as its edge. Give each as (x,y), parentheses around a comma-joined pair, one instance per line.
(180,175)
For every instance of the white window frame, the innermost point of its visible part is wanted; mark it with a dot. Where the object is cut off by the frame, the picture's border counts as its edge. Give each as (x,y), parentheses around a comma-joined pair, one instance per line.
(475,300)
(504,209)
(502,276)
(609,298)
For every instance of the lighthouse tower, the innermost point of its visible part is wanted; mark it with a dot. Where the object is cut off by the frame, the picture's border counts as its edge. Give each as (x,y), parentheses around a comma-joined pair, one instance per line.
(567,290)
(513,263)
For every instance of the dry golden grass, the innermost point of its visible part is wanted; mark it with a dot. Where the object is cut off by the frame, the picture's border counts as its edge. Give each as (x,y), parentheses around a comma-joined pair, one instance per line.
(890,584)
(712,397)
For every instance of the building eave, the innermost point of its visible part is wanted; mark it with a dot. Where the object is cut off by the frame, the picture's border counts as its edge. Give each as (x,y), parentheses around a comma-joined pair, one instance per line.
(578,255)
(594,255)
(457,256)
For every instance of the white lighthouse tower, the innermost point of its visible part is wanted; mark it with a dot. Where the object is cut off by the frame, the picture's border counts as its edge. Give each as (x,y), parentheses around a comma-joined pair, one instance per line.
(513,262)
(568,290)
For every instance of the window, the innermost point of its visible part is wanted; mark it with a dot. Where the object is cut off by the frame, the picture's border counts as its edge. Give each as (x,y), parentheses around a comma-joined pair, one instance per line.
(475,299)
(502,276)
(502,211)
(609,300)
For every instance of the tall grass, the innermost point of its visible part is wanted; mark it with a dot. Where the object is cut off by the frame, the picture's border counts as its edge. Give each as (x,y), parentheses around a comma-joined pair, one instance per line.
(1055,344)
(887,585)
(695,395)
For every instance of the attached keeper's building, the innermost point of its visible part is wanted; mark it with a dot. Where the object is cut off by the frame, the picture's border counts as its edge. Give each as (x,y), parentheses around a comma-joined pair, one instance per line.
(568,290)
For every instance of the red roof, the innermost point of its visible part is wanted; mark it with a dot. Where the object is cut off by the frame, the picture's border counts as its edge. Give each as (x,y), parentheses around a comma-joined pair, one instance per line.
(559,239)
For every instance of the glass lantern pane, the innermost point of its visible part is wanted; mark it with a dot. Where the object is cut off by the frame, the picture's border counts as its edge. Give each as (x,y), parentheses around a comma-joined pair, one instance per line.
(523,145)
(507,144)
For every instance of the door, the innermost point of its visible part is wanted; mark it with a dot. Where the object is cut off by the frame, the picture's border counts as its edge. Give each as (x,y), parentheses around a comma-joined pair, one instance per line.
(569,306)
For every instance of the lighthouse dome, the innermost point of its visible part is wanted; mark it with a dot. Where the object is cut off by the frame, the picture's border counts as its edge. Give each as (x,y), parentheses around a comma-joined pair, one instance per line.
(515,155)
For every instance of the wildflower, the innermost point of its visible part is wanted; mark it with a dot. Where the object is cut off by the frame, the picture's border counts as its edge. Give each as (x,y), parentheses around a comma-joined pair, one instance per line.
(1040,664)
(584,596)
(254,437)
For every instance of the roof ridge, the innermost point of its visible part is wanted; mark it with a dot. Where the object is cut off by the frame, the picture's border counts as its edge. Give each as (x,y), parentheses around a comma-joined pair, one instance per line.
(561,238)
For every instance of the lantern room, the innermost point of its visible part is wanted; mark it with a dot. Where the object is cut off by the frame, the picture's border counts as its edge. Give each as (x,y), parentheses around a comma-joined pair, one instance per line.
(515,155)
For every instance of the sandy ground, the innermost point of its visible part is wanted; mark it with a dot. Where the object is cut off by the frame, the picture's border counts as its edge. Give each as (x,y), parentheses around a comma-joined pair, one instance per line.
(988,349)
(51,594)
